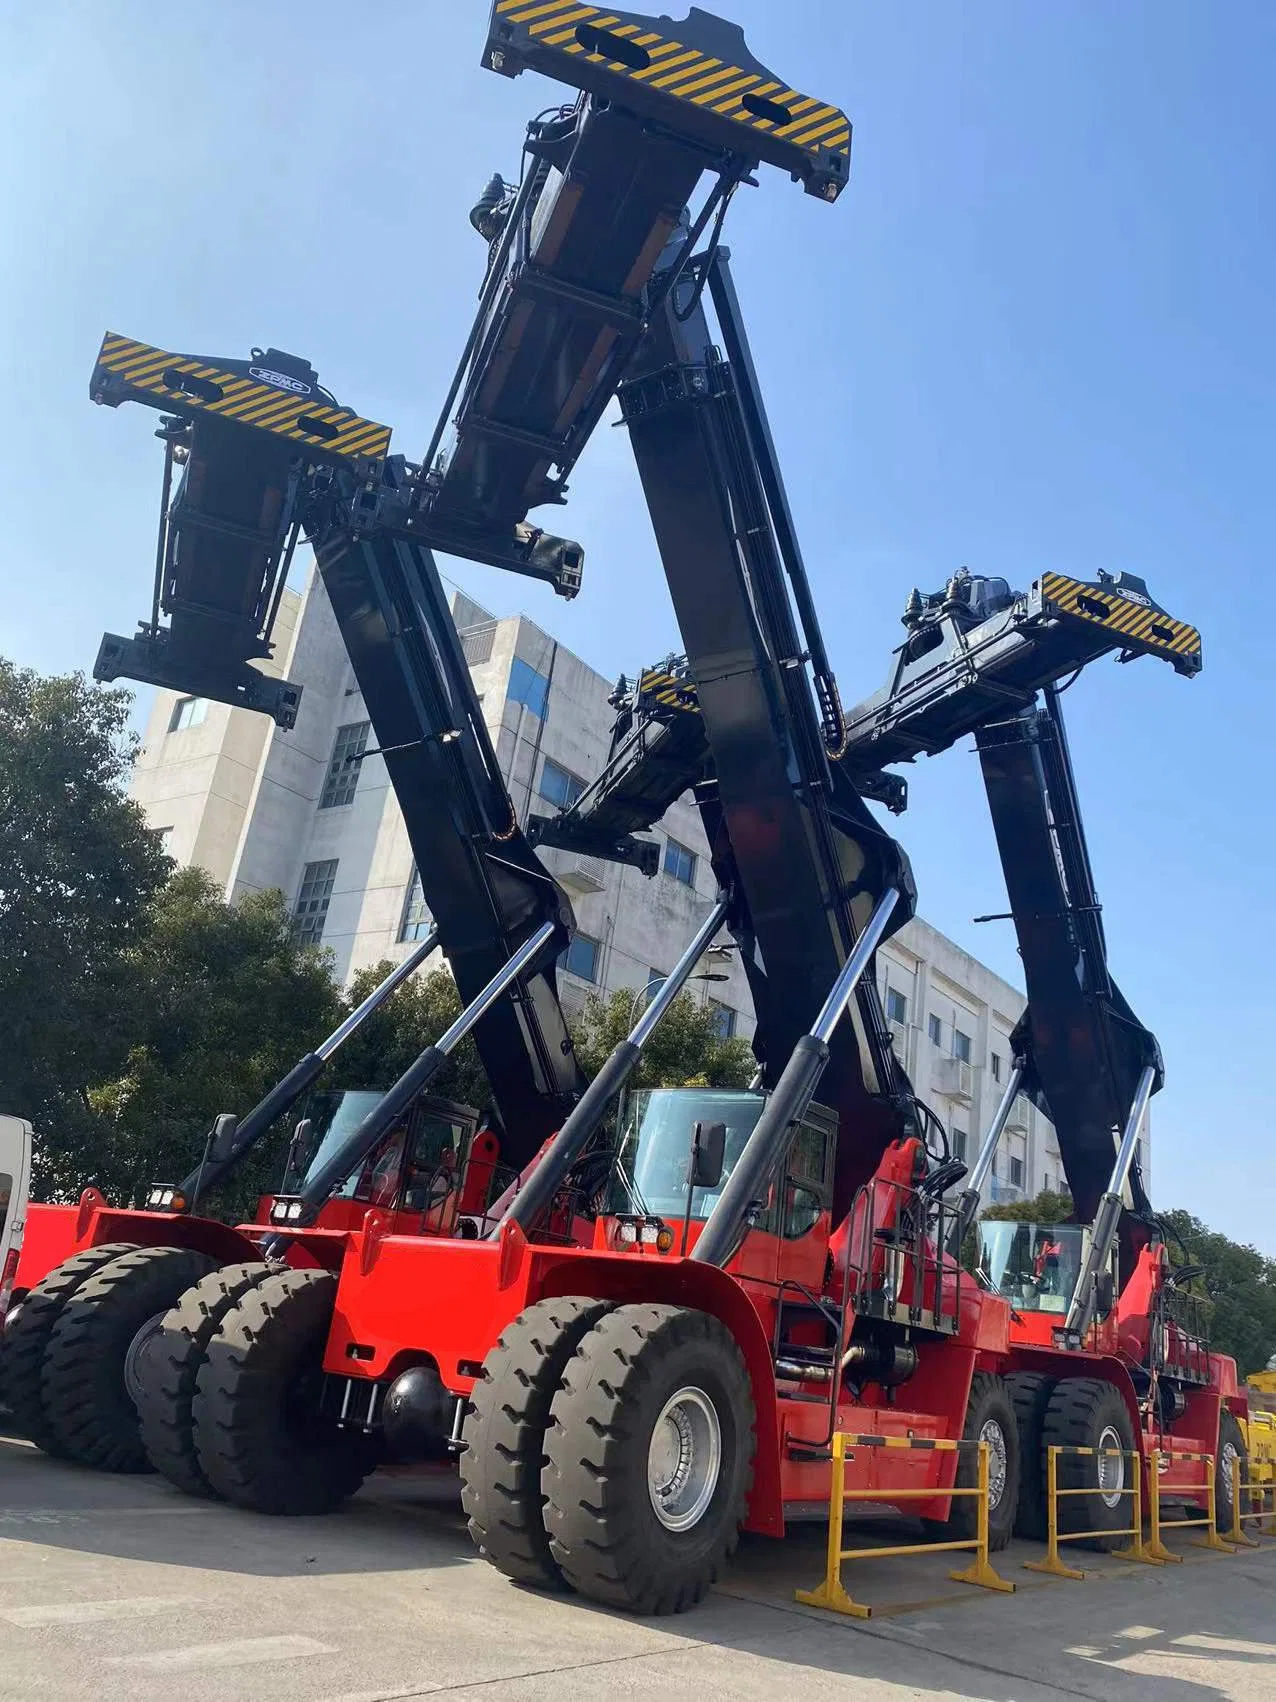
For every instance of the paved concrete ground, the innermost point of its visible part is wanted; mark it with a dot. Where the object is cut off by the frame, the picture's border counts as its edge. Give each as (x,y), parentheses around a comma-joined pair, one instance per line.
(119,1588)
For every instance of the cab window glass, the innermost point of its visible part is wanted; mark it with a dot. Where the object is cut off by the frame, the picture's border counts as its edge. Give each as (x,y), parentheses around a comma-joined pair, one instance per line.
(804,1189)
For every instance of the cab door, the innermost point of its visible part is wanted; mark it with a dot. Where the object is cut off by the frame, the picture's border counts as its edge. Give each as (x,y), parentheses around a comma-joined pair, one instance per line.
(15,1180)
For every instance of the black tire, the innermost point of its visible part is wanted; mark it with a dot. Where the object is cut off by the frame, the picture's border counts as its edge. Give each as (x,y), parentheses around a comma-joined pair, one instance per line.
(262,1442)
(172,1367)
(102,1334)
(1085,1412)
(990,1415)
(505,1436)
(604,1533)
(26,1337)
(1030,1393)
(1231,1462)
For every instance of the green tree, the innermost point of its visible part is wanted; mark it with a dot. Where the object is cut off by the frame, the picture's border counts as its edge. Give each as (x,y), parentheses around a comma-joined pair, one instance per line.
(78,871)
(414,1016)
(685,1050)
(1045,1208)
(220,1002)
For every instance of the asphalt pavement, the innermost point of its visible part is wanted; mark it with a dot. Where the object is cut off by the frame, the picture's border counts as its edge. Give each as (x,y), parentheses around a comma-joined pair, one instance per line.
(121,1588)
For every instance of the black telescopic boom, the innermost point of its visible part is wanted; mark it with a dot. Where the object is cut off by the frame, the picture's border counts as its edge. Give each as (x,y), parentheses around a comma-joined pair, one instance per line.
(212,1170)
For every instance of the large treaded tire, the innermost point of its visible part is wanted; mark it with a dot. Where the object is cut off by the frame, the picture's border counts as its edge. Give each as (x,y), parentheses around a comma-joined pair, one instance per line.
(25,1340)
(1227,1470)
(603,1530)
(505,1436)
(1081,1413)
(989,1405)
(85,1381)
(172,1369)
(1030,1393)
(261,1440)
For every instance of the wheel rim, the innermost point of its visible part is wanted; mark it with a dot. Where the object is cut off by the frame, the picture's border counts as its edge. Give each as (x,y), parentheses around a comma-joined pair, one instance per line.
(135,1357)
(1228,1459)
(684,1459)
(1111,1472)
(998,1456)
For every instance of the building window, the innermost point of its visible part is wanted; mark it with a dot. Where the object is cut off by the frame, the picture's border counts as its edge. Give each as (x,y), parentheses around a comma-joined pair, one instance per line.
(311,909)
(722,1020)
(559,787)
(680,863)
(896,1005)
(935,1029)
(959,1144)
(187,712)
(528,687)
(656,979)
(417,920)
(1016,1172)
(343,767)
(994,1063)
(165,837)
(581,957)
(961,1045)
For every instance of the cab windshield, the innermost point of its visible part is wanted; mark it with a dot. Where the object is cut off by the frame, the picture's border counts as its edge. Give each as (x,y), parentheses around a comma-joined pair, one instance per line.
(333,1119)
(656,1126)
(1034,1266)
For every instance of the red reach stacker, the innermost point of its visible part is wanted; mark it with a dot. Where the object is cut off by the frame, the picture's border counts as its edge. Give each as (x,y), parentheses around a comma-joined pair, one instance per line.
(628,1383)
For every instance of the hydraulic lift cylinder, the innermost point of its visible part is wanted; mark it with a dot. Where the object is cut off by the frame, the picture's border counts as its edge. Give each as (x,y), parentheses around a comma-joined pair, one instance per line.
(300,1077)
(968,1206)
(591,1108)
(789,1100)
(1108,1220)
(414,1080)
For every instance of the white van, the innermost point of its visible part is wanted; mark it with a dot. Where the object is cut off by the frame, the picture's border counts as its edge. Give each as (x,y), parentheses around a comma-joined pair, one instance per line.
(15,1181)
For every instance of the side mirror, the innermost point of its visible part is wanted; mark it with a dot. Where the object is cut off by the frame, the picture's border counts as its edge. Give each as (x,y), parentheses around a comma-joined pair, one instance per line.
(222,1144)
(298,1151)
(1104,1294)
(708,1155)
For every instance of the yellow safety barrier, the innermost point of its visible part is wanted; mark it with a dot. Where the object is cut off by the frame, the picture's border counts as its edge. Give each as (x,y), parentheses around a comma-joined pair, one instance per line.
(1137,1550)
(831,1593)
(1211,1539)
(1256,1492)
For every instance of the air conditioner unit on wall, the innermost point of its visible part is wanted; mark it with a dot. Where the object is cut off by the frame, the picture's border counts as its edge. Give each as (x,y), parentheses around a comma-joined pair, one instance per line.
(584,874)
(954,1079)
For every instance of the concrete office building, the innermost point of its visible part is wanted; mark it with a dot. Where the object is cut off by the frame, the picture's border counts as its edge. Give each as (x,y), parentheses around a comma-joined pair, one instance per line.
(259,808)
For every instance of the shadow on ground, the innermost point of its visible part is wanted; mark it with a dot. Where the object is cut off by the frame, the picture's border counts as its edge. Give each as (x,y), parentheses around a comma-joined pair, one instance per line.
(1201,1632)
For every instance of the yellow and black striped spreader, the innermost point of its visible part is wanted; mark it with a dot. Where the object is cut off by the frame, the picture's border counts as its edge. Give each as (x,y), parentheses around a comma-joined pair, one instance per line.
(670,691)
(1129,616)
(697,78)
(266,393)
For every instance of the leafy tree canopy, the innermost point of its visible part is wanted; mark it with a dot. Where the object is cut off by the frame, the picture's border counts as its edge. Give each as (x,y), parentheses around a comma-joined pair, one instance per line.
(685,1050)
(79,870)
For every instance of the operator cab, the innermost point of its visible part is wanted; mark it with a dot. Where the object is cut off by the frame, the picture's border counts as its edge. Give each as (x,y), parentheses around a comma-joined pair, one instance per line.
(1035,1266)
(423,1171)
(676,1151)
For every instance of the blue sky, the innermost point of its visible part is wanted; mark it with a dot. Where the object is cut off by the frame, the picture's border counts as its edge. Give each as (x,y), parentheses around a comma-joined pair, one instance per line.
(1036,332)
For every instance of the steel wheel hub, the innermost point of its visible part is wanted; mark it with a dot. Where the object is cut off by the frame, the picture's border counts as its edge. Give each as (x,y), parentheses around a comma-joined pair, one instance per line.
(1228,1461)
(135,1357)
(998,1457)
(684,1459)
(1111,1472)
